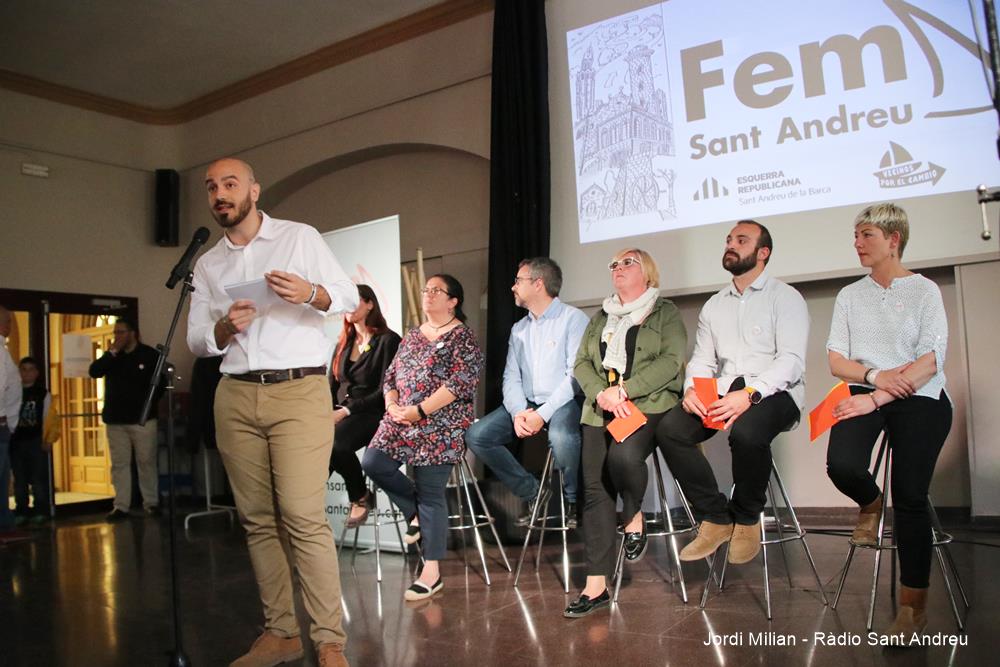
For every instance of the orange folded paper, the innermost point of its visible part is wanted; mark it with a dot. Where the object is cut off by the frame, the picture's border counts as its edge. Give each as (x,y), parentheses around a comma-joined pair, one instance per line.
(821,418)
(621,428)
(707,390)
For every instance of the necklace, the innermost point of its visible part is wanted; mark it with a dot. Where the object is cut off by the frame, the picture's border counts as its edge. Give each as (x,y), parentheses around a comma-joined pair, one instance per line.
(442,326)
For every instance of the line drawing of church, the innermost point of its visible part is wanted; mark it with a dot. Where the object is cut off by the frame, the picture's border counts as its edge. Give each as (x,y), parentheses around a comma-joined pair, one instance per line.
(617,138)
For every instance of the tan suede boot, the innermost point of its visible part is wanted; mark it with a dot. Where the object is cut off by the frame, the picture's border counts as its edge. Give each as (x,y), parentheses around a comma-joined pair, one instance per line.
(331,655)
(711,536)
(866,531)
(911,617)
(745,544)
(269,650)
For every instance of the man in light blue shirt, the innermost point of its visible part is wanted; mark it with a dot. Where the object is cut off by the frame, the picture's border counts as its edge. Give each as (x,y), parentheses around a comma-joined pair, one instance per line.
(538,385)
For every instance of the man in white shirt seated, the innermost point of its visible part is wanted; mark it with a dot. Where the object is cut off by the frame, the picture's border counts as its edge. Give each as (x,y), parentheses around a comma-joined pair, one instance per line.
(273,410)
(752,338)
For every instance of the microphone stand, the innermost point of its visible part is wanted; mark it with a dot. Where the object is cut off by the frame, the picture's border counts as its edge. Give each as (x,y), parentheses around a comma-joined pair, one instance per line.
(166,370)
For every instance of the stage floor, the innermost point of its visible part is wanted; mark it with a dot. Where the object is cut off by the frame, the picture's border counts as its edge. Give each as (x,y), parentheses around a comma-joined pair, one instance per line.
(83,592)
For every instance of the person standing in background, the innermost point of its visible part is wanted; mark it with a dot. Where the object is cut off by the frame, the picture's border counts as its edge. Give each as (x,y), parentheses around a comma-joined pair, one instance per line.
(127,366)
(10,408)
(29,459)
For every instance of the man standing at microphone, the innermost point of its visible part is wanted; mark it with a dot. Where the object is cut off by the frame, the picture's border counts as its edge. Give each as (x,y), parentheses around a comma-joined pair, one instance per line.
(273,409)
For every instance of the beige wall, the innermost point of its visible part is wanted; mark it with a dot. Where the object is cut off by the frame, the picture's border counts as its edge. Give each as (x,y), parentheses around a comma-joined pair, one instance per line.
(406,131)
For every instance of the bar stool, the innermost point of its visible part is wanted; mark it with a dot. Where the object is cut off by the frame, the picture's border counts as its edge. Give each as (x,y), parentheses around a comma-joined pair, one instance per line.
(940,542)
(666,529)
(376,521)
(798,533)
(461,478)
(540,517)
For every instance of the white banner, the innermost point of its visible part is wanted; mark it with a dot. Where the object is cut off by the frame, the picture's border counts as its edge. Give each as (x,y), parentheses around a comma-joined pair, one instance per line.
(369,253)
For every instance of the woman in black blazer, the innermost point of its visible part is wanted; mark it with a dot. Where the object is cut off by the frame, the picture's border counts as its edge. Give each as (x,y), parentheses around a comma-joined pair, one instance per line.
(365,349)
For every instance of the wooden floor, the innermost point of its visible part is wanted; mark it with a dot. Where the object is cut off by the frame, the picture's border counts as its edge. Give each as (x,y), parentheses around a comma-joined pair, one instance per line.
(82,592)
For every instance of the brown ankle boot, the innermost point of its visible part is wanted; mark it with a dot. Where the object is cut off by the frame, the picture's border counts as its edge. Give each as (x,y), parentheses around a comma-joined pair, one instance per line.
(270,649)
(710,537)
(911,617)
(866,531)
(331,655)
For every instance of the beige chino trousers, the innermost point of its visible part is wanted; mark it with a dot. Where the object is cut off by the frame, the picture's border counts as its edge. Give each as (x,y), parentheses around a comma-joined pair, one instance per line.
(275,442)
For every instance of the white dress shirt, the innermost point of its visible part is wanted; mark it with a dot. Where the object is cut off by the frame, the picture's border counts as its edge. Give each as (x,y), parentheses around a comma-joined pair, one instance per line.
(885,328)
(760,335)
(10,388)
(282,336)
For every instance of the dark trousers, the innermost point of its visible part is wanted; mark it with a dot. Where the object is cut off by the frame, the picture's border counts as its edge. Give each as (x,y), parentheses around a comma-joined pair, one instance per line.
(351,434)
(750,436)
(917,428)
(424,495)
(611,469)
(30,465)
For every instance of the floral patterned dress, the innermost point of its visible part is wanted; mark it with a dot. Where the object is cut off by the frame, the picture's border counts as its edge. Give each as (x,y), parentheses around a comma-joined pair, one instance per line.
(420,367)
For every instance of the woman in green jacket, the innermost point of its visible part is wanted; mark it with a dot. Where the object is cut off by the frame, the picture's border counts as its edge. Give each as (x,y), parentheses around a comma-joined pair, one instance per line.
(633,350)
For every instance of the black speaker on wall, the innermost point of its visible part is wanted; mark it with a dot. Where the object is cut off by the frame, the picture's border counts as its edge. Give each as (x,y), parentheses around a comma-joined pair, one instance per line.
(168,190)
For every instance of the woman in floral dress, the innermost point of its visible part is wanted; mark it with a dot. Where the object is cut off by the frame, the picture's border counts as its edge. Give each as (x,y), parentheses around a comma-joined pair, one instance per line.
(430,391)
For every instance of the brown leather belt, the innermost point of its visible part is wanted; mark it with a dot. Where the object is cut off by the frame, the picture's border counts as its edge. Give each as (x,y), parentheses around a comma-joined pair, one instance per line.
(274,377)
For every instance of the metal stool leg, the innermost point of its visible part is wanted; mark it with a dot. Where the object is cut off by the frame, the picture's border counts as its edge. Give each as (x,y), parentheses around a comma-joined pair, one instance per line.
(886,479)
(936,526)
(378,545)
(534,515)
(486,514)
(800,532)
(763,551)
(619,568)
(563,530)
(671,539)
(780,529)
(843,576)
(473,522)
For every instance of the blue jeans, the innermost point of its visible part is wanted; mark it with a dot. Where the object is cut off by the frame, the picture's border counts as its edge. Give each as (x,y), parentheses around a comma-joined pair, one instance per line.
(424,496)
(6,519)
(488,439)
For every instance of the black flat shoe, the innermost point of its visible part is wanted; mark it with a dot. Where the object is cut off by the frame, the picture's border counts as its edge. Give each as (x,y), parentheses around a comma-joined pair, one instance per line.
(635,545)
(584,606)
(412,535)
(116,515)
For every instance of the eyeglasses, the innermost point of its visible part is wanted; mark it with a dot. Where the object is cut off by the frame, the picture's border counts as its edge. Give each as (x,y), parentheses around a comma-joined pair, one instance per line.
(625,262)
(433,291)
(529,279)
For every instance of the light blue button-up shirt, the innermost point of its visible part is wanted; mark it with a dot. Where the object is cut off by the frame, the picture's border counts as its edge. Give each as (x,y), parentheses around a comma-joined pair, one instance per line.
(540,358)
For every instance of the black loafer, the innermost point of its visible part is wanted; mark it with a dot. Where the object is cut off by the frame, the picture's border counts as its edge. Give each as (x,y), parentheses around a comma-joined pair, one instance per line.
(116,515)
(635,545)
(584,606)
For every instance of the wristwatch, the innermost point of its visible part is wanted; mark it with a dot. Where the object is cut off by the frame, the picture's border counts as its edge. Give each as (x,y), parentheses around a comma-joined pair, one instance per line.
(755,396)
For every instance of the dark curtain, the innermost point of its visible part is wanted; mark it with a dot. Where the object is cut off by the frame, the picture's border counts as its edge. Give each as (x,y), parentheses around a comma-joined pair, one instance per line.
(519,168)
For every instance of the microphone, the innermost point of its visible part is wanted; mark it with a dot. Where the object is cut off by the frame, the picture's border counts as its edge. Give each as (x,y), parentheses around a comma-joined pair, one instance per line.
(983,198)
(183,267)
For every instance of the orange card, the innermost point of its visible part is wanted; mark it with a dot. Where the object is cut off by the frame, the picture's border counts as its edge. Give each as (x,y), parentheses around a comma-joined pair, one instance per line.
(821,418)
(707,390)
(620,428)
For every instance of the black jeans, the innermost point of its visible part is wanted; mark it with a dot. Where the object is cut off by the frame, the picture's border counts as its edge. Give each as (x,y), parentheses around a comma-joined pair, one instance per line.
(611,468)
(917,428)
(750,436)
(351,434)
(30,465)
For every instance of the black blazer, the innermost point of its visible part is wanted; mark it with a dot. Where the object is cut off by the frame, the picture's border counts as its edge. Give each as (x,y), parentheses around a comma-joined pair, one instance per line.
(362,379)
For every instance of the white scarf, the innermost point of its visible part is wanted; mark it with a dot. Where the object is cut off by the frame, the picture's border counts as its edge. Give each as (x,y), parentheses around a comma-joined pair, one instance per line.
(621,318)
